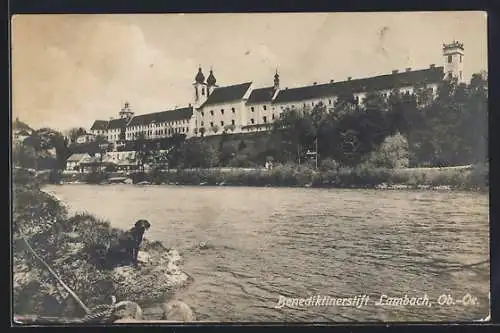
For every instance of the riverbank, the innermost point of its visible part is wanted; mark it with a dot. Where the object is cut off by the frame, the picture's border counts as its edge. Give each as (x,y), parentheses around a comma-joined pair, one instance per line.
(466,178)
(66,243)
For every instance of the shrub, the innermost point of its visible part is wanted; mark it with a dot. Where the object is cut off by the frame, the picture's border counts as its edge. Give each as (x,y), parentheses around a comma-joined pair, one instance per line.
(392,153)
(329,164)
(95,177)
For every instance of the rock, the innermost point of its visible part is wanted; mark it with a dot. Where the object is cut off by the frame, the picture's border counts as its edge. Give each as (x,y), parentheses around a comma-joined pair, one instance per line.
(157,276)
(177,311)
(128,310)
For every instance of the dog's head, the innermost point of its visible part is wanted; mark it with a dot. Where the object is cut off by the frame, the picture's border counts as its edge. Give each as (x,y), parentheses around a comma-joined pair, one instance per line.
(142,224)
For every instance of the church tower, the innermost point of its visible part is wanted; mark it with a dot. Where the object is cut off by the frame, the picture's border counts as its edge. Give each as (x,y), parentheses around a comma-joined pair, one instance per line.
(276,80)
(211,82)
(200,89)
(453,54)
(126,112)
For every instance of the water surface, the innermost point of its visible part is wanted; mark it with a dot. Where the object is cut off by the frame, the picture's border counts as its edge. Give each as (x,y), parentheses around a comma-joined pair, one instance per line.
(296,242)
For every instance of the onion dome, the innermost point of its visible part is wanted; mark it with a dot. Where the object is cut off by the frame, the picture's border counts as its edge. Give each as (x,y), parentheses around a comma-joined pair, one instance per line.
(200,78)
(211,79)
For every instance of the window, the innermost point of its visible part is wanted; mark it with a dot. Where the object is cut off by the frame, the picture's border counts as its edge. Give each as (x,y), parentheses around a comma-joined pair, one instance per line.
(202,114)
(330,101)
(449,59)
(232,109)
(232,122)
(222,123)
(222,111)
(252,121)
(203,91)
(202,123)
(211,124)
(265,119)
(264,107)
(312,103)
(252,109)
(272,116)
(211,112)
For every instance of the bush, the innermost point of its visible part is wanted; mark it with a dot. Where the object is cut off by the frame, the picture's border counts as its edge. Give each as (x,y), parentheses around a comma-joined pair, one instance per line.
(392,153)
(95,177)
(479,176)
(329,164)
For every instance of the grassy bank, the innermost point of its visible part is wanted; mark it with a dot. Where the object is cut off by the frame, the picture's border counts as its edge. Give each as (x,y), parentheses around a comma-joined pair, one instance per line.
(473,178)
(67,243)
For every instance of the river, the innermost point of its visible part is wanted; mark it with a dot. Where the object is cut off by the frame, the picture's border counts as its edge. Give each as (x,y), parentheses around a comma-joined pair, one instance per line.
(298,242)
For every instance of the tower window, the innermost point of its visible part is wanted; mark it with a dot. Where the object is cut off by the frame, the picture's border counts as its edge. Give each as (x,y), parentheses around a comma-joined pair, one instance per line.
(232,122)
(330,101)
(272,116)
(222,111)
(252,120)
(264,107)
(222,123)
(232,109)
(265,119)
(211,112)
(252,109)
(203,91)
(202,113)
(449,59)
(211,124)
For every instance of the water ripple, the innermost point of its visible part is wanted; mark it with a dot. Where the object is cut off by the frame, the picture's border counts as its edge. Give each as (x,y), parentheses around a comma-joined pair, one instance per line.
(267,242)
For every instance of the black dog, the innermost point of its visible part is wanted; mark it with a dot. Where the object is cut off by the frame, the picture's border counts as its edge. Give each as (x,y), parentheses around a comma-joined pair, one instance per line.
(127,248)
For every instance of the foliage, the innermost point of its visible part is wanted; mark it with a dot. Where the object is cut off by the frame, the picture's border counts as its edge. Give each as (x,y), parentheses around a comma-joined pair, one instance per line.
(37,150)
(74,133)
(392,153)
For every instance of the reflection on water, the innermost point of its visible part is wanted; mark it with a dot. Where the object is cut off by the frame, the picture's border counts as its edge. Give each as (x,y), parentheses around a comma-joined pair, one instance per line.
(267,242)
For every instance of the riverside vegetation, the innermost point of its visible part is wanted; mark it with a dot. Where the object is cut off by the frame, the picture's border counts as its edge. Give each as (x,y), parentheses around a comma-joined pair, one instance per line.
(471,178)
(64,242)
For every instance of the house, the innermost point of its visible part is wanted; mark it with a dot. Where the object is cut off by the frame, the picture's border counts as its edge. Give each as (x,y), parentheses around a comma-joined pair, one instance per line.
(73,162)
(84,138)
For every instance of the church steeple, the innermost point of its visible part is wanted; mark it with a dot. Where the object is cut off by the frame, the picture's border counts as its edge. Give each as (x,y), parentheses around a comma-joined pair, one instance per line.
(200,78)
(211,78)
(276,80)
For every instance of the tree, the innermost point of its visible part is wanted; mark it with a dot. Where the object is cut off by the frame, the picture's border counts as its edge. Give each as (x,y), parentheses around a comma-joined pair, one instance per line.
(198,154)
(142,149)
(392,153)
(75,132)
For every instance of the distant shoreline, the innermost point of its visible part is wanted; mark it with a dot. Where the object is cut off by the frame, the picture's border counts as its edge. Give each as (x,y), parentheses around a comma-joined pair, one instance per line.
(467,178)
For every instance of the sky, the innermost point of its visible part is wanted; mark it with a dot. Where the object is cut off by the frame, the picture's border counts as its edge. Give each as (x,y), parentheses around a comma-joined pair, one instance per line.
(69,70)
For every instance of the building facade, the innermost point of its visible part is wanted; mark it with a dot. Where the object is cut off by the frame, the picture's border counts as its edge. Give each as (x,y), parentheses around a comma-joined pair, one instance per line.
(241,108)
